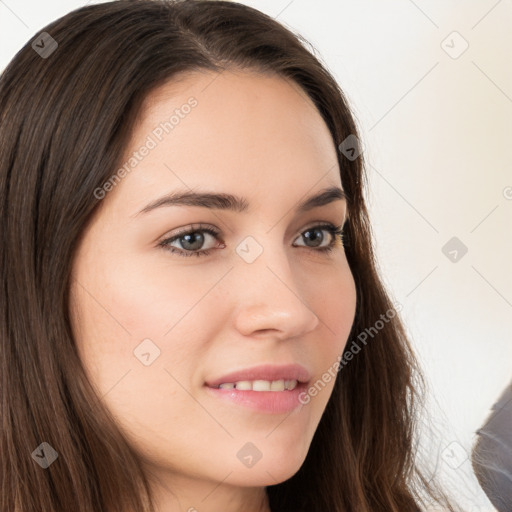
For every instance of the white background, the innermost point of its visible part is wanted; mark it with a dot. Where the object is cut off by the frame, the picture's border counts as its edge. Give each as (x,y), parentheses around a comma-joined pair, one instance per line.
(437,131)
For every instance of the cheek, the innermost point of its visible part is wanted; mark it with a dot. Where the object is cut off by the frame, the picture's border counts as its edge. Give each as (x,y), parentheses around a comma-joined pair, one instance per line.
(335,307)
(338,301)
(334,302)
(129,316)
(140,341)
(134,299)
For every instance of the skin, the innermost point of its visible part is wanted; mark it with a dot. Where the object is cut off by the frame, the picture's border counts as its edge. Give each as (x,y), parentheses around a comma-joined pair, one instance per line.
(259,137)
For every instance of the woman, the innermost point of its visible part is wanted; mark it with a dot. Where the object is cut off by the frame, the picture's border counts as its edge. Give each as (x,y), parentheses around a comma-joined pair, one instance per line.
(270,373)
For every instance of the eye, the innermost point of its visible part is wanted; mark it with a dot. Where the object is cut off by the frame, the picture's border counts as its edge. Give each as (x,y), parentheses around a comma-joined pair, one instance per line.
(192,239)
(314,235)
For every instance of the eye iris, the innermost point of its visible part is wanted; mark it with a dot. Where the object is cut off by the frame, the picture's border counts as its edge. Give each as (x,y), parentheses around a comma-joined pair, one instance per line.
(196,243)
(317,238)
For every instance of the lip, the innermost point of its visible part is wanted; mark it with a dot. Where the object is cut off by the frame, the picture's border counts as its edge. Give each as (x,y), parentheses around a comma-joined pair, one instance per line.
(264,372)
(272,402)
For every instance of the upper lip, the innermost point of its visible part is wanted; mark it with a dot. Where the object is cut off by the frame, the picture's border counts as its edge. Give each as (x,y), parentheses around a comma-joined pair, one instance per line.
(264,372)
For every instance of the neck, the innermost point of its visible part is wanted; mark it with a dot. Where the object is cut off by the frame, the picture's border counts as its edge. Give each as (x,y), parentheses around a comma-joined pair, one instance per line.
(186,495)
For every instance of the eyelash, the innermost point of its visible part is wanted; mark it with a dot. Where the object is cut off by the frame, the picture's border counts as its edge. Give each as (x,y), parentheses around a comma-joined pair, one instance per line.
(335,231)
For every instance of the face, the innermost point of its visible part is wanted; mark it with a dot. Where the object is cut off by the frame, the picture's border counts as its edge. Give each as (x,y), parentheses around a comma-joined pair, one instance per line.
(168,302)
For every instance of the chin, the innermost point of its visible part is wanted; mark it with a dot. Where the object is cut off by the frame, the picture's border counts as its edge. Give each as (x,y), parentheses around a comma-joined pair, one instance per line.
(270,470)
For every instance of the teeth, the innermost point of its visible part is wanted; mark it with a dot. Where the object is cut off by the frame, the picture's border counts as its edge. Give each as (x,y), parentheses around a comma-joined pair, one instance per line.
(277,385)
(291,384)
(260,385)
(243,385)
(227,386)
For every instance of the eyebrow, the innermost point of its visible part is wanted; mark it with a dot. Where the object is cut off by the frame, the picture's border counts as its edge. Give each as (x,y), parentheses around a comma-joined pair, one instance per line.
(224,201)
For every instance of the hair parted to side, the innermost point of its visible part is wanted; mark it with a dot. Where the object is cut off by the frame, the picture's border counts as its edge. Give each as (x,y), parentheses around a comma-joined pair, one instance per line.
(65,123)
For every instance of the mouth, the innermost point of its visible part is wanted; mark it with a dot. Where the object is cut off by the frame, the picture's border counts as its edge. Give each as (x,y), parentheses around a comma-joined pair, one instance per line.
(265,388)
(260,385)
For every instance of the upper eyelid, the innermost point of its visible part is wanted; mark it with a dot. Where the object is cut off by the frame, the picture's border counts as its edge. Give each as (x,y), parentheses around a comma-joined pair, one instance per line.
(192,228)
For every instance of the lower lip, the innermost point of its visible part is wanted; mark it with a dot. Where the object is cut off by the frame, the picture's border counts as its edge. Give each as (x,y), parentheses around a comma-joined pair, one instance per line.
(274,402)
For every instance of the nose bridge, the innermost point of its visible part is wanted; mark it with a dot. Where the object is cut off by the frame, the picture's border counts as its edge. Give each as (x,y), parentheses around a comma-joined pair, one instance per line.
(267,292)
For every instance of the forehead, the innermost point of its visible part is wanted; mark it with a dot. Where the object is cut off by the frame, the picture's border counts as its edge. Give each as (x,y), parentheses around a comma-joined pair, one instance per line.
(240,132)
(231,108)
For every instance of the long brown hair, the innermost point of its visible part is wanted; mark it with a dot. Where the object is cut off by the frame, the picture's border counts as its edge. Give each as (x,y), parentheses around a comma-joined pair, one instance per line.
(66,120)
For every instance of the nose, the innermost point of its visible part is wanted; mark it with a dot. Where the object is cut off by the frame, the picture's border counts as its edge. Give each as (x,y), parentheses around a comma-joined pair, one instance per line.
(270,299)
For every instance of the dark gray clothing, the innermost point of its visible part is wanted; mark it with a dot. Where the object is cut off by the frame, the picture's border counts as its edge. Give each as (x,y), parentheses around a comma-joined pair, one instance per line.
(492,454)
